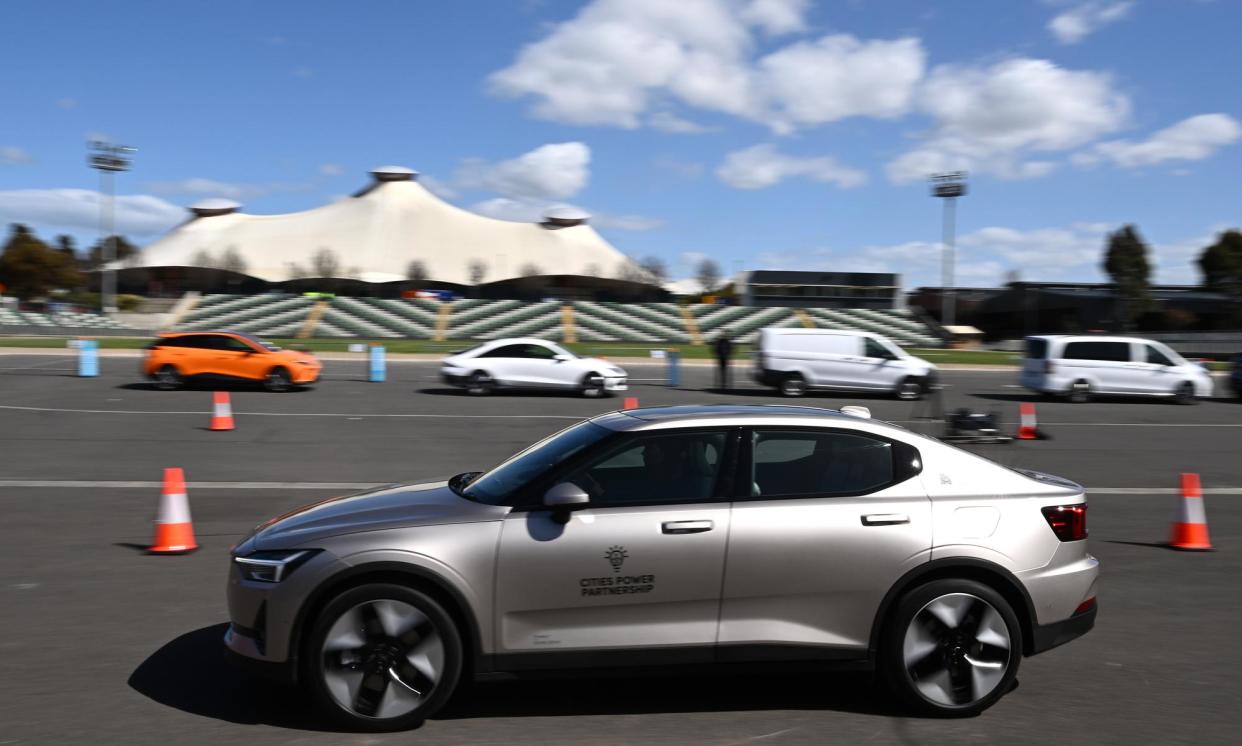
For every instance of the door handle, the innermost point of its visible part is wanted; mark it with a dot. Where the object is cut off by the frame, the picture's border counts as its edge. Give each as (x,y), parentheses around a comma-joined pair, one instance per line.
(885,519)
(686,527)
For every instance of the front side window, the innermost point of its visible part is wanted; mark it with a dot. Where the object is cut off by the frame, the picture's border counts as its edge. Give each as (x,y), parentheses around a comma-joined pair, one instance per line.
(796,462)
(506,351)
(233,344)
(875,349)
(495,486)
(1156,357)
(661,467)
(538,352)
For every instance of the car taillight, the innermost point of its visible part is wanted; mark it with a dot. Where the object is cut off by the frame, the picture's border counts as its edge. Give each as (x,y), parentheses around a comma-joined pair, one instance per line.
(1048,367)
(1068,522)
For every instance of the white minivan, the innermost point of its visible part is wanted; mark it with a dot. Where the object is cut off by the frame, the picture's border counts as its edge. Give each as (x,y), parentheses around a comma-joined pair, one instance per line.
(1081,367)
(795,360)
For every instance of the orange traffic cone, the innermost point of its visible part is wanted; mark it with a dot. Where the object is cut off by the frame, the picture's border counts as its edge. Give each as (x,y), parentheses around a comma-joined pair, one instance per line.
(1189,528)
(631,402)
(221,411)
(174,531)
(1027,429)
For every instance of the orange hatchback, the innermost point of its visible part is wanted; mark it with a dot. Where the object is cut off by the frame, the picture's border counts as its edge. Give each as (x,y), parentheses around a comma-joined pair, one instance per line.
(175,357)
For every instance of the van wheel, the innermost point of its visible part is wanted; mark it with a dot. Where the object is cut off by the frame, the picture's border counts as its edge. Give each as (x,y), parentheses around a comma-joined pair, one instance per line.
(793,385)
(168,378)
(910,389)
(952,648)
(1079,392)
(277,379)
(382,657)
(1184,394)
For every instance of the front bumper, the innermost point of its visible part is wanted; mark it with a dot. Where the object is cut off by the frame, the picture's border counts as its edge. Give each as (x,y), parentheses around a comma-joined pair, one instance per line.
(240,649)
(615,384)
(306,374)
(264,616)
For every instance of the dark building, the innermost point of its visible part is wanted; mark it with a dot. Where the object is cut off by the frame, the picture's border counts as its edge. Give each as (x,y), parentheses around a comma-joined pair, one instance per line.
(820,289)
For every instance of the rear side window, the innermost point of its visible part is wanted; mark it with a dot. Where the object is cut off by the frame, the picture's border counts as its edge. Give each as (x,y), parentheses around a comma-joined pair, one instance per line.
(1036,349)
(798,462)
(1111,351)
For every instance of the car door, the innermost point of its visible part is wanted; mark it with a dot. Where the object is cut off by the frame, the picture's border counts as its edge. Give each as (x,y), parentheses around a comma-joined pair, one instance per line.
(881,369)
(505,364)
(638,568)
(1107,365)
(222,355)
(1155,372)
(541,367)
(833,519)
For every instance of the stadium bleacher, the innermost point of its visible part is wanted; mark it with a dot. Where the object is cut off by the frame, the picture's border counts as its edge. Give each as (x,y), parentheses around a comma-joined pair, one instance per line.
(279,315)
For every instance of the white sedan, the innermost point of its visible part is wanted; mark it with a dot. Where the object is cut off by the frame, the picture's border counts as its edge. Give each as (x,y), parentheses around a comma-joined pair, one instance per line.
(530,363)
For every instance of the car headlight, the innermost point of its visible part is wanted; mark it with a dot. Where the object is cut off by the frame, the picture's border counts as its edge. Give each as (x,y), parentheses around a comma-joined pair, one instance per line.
(616,372)
(274,566)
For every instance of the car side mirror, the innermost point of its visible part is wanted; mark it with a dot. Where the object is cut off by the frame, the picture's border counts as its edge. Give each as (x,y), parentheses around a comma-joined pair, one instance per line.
(566,496)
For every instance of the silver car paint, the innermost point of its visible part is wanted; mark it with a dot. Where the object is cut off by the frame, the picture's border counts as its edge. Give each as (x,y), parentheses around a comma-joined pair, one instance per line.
(781,571)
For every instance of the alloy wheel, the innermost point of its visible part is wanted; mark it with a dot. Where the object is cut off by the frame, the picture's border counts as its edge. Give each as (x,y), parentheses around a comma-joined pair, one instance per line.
(382,659)
(956,649)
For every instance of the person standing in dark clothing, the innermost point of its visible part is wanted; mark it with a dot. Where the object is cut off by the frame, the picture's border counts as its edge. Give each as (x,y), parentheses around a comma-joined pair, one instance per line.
(723,348)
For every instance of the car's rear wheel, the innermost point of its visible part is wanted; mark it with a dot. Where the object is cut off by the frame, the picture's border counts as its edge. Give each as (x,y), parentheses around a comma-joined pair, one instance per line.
(480,384)
(168,378)
(278,379)
(910,389)
(1184,393)
(952,648)
(1079,392)
(793,385)
(382,657)
(592,386)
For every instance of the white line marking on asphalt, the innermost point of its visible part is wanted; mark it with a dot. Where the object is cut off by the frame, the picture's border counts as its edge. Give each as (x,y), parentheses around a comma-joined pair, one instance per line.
(142,484)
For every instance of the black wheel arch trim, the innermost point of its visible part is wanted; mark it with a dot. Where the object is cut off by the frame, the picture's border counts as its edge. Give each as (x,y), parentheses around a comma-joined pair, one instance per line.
(967,568)
(419,578)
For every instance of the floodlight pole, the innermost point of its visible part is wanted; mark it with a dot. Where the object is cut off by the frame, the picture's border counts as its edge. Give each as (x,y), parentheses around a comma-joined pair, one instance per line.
(108,158)
(948,186)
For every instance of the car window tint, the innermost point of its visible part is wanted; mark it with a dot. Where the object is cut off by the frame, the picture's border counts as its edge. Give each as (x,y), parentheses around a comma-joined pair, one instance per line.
(539,352)
(193,342)
(666,467)
(506,351)
(234,344)
(1036,349)
(806,463)
(1111,351)
(1156,357)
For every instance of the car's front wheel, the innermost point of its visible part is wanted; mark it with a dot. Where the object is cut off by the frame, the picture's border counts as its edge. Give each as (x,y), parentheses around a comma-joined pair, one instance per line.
(910,389)
(592,386)
(382,657)
(1184,393)
(277,379)
(952,648)
(168,378)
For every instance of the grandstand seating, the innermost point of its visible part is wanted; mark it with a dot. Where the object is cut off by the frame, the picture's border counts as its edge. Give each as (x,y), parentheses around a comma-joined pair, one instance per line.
(279,315)
(67,321)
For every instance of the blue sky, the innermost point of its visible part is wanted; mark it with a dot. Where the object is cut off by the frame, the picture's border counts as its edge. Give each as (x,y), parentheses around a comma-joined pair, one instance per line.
(765,133)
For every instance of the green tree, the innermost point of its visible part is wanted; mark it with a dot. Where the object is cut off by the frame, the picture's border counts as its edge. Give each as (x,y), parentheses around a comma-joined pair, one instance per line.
(124,250)
(708,274)
(1221,264)
(1125,261)
(30,268)
(656,270)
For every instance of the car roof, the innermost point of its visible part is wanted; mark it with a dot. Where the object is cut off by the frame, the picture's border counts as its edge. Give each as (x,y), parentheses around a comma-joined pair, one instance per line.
(791,331)
(517,341)
(1088,338)
(732,414)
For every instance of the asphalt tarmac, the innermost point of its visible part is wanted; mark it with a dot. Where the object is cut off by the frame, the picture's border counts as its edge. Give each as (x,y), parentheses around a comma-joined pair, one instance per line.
(103,644)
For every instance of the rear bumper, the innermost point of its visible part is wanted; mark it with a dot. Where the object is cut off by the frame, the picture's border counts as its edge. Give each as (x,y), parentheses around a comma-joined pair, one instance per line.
(1049,636)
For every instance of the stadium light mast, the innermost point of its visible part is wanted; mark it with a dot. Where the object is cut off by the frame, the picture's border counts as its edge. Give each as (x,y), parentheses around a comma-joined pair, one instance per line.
(948,186)
(108,158)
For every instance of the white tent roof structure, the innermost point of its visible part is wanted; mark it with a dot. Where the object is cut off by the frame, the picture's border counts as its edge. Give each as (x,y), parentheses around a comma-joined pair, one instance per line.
(376,234)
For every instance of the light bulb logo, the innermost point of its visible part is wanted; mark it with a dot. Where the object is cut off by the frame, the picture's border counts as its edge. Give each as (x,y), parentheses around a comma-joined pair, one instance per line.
(616,557)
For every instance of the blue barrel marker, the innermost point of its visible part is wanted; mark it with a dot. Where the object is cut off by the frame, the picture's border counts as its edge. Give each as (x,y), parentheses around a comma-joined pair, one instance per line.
(379,366)
(88,358)
(674,368)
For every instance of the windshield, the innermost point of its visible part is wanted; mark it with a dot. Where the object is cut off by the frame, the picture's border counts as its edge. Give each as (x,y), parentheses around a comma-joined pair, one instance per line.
(494,486)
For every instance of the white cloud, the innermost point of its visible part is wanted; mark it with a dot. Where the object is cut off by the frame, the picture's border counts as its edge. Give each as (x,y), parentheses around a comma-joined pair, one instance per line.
(776,17)
(11,155)
(206,188)
(1079,22)
(618,60)
(1192,139)
(668,122)
(990,119)
(549,172)
(331,169)
(137,215)
(762,166)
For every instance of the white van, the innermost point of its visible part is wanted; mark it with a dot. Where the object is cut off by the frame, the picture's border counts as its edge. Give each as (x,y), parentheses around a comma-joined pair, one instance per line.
(795,360)
(1080,367)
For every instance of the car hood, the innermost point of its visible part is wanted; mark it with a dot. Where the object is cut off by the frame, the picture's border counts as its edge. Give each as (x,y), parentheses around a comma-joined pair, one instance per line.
(295,356)
(599,362)
(394,506)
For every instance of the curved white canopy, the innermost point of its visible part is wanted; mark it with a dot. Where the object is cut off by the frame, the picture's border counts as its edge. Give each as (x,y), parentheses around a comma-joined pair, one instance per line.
(377,234)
